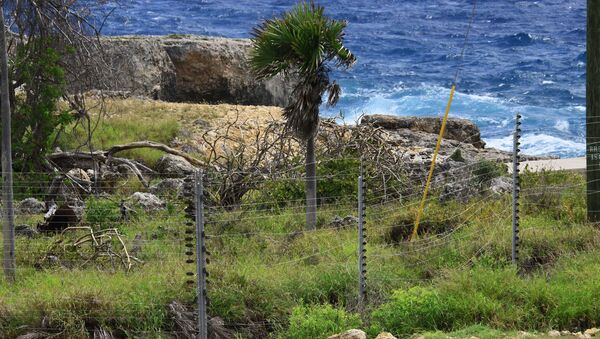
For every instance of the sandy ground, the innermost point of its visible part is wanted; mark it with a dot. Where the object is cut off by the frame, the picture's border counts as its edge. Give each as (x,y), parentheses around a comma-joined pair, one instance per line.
(569,164)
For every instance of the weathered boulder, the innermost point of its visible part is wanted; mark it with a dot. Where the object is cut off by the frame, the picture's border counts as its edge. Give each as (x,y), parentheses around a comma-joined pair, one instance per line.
(385,335)
(554,333)
(31,206)
(148,201)
(456,129)
(592,331)
(169,186)
(347,221)
(350,334)
(173,165)
(501,185)
(185,69)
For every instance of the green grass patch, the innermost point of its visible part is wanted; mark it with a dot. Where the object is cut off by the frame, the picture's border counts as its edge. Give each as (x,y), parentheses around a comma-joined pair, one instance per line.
(269,278)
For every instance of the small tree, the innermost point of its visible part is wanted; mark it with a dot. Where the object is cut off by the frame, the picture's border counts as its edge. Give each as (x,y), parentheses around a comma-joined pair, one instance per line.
(50,42)
(303,44)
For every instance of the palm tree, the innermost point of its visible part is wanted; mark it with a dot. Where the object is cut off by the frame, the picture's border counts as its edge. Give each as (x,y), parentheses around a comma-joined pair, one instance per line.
(303,44)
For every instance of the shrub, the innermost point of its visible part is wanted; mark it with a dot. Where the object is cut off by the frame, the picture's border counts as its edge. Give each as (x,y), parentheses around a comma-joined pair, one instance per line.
(485,170)
(559,195)
(101,211)
(320,321)
(408,311)
(336,182)
(37,118)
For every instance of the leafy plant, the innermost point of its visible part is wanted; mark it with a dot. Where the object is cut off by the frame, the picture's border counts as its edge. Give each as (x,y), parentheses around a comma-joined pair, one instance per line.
(101,211)
(320,321)
(486,170)
(338,184)
(37,117)
(411,310)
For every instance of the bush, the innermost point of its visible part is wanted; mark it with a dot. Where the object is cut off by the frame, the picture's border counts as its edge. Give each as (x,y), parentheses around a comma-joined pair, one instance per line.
(409,311)
(485,170)
(560,195)
(37,118)
(320,321)
(336,181)
(101,211)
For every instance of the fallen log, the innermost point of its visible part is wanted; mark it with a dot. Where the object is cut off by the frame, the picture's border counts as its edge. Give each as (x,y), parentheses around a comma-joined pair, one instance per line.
(86,160)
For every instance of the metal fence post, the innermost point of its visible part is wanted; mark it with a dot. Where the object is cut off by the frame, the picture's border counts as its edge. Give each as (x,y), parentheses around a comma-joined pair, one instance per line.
(200,257)
(9,262)
(362,264)
(516,190)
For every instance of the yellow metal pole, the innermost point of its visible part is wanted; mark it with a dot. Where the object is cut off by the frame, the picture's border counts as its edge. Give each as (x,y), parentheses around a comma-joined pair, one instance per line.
(432,167)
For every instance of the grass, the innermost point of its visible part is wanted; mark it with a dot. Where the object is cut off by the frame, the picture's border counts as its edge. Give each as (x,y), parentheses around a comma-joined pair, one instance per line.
(261,271)
(270,279)
(176,124)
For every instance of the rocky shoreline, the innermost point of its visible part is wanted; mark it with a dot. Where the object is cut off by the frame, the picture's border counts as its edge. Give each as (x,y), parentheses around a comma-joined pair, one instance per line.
(212,70)
(182,68)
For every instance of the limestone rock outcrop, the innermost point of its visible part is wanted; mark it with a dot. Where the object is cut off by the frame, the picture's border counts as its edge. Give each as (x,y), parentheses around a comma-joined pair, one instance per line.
(183,69)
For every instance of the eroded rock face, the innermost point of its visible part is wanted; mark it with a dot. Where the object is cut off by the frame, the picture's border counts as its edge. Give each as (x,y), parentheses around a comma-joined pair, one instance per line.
(175,166)
(186,69)
(148,201)
(461,130)
(415,139)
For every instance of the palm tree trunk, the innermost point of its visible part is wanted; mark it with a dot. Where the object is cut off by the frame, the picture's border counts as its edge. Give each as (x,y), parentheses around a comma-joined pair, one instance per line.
(8,224)
(311,185)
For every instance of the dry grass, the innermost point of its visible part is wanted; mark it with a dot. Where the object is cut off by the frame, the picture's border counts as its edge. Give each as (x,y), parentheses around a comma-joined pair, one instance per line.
(179,125)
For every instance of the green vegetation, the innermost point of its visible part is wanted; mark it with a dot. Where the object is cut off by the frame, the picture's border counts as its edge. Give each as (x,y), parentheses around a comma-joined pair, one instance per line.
(267,277)
(307,43)
(320,321)
(122,129)
(37,117)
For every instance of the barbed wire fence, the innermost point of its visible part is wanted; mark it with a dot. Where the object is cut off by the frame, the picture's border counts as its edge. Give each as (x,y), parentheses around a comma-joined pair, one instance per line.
(160,235)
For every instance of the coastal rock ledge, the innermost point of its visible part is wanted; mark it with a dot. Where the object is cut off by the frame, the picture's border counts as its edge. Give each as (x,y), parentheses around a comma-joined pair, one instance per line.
(182,68)
(461,130)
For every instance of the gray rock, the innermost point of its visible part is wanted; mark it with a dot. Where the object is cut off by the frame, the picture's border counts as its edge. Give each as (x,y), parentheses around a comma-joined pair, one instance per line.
(554,333)
(459,190)
(173,165)
(339,222)
(31,206)
(501,185)
(148,201)
(350,334)
(456,129)
(386,335)
(169,186)
(185,69)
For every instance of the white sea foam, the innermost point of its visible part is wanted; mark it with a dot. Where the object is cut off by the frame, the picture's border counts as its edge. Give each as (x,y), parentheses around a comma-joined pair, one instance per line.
(493,115)
(539,144)
(562,125)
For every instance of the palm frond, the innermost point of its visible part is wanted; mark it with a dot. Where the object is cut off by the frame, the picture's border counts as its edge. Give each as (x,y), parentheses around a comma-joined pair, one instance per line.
(302,42)
(334,91)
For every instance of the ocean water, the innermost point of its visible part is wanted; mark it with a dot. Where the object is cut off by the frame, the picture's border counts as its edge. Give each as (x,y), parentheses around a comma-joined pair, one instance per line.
(521,56)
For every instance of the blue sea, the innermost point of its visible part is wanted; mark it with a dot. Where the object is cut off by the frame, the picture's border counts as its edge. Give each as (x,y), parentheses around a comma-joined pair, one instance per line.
(521,56)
